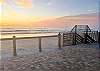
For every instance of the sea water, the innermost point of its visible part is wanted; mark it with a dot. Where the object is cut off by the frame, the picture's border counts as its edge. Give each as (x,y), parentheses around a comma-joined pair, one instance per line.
(9,33)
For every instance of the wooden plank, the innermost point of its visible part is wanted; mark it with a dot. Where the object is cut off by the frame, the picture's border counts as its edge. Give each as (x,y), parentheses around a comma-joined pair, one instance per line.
(67,38)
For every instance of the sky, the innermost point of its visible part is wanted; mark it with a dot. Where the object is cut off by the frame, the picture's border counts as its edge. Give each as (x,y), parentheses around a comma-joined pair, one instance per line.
(27,11)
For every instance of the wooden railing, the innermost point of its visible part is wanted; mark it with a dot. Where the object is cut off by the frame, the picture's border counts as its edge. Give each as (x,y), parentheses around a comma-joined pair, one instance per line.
(14,38)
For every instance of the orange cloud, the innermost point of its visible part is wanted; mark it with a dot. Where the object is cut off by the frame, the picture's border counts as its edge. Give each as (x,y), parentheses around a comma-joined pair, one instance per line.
(24,3)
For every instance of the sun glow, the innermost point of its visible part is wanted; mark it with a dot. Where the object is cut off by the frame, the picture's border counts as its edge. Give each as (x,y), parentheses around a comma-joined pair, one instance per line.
(26,13)
(0,12)
(20,13)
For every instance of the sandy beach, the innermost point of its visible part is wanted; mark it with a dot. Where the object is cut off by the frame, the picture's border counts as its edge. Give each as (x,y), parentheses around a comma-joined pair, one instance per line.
(83,57)
(49,35)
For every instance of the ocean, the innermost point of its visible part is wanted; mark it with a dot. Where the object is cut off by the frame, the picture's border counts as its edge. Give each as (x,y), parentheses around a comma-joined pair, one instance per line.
(9,33)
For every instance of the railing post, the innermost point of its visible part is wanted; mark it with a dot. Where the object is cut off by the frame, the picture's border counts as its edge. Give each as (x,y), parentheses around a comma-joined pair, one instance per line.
(40,49)
(74,35)
(59,41)
(14,46)
(63,40)
(86,33)
(97,35)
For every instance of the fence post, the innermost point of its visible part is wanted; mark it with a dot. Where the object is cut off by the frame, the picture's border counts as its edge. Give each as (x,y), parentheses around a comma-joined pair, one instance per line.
(59,41)
(63,40)
(14,46)
(40,49)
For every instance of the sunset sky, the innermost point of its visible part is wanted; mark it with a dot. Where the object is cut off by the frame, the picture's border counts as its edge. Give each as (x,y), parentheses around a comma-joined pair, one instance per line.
(16,13)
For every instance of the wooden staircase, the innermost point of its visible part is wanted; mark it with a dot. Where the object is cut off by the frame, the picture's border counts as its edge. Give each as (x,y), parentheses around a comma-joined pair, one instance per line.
(81,34)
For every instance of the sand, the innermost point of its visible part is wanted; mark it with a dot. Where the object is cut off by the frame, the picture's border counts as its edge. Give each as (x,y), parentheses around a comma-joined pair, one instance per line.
(82,57)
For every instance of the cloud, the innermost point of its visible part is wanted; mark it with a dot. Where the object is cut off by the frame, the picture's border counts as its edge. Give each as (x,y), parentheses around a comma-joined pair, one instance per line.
(91,10)
(23,3)
(49,3)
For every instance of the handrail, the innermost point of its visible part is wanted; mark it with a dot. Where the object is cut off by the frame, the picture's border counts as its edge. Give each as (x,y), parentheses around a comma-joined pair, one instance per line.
(14,38)
(28,37)
(91,38)
(73,27)
(88,28)
(93,35)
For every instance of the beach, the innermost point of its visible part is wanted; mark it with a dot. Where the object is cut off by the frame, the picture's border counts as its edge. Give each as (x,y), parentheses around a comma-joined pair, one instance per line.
(49,35)
(82,57)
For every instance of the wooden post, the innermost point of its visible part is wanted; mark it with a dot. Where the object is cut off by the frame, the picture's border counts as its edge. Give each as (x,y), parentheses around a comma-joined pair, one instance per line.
(73,39)
(97,37)
(75,35)
(40,49)
(14,46)
(63,40)
(86,33)
(59,41)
